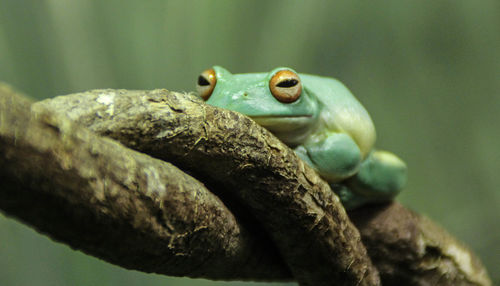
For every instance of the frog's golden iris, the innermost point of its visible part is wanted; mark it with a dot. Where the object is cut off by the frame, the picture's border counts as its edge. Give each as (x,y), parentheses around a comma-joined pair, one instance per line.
(206,83)
(285,86)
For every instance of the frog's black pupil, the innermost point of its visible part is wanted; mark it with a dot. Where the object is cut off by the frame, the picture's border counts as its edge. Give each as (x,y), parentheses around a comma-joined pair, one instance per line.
(203,81)
(287,83)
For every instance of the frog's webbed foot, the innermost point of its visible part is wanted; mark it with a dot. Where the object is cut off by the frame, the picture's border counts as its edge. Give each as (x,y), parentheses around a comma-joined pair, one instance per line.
(381,177)
(350,200)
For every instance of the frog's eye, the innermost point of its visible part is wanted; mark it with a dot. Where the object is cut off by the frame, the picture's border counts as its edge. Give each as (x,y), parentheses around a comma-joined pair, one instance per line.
(285,86)
(206,83)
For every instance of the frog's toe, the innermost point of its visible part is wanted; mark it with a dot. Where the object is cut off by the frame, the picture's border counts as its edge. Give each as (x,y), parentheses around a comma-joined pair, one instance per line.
(349,199)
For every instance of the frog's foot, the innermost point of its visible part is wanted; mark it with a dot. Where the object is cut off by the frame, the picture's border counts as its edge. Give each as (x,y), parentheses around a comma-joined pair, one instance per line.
(381,177)
(351,200)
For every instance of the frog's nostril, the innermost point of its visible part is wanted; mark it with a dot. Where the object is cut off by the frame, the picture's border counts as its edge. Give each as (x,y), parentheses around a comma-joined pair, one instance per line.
(239,95)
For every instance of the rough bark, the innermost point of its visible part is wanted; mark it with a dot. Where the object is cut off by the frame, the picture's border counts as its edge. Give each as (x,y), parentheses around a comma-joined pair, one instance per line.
(120,205)
(263,183)
(410,249)
(245,165)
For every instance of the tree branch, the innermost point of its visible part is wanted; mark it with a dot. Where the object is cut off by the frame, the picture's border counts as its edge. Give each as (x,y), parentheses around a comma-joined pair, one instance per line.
(245,165)
(117,204)
(410,249)
(262,181)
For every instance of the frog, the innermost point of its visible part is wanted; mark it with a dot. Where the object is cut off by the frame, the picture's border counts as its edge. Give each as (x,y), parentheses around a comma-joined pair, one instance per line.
(321,120)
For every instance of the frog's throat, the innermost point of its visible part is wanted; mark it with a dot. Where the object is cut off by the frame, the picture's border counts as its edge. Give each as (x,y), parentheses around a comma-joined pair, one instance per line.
(292,130)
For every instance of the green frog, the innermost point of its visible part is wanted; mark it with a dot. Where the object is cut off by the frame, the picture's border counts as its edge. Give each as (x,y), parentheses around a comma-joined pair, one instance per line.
(321,120)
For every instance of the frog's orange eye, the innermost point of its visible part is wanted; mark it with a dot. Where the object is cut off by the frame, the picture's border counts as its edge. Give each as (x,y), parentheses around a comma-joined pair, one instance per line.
(285,86)
(206,83)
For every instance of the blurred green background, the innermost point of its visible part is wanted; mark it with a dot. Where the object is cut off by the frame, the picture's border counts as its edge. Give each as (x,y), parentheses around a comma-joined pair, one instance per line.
(427,71)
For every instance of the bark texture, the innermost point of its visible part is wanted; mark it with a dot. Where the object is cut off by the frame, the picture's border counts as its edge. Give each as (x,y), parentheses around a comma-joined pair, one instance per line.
(245,165)
(120,205)
(410,249)
(143,213)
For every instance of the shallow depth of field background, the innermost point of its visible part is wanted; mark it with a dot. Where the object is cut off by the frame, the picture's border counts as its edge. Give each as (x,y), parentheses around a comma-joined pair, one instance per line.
(427,71)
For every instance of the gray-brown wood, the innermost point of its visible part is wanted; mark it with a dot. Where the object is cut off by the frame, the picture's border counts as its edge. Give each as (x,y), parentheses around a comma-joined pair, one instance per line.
(117,204)
(261,181)
(410,249)
(246,165)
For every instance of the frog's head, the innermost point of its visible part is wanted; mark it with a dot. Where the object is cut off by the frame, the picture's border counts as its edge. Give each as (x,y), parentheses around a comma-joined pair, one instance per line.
(276,100)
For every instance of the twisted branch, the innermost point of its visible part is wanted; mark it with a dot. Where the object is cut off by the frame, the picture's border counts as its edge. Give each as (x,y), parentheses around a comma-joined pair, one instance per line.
(142,213)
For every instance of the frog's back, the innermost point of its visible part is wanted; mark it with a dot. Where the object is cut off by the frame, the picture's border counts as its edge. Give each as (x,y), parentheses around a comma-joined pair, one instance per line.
(341,111)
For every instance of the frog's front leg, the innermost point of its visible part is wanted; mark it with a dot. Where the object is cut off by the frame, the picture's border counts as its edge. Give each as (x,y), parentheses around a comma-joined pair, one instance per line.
(335,156)
(380,177)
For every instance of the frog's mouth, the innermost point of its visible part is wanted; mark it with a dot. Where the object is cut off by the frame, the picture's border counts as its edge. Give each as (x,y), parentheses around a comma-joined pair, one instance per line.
(284,123)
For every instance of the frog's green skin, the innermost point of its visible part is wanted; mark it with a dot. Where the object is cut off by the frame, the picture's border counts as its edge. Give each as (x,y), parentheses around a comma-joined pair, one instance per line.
(327,127)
